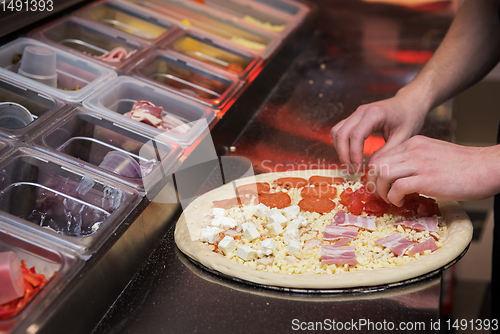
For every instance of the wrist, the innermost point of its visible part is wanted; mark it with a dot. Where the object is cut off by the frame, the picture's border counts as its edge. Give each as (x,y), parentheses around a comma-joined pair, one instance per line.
(419,101)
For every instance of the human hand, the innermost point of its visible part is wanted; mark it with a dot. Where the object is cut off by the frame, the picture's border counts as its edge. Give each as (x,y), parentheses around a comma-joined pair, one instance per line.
(436,168)
(398,119)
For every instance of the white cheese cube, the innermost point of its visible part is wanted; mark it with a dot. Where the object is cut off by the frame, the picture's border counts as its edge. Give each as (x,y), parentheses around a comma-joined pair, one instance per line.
(210,234)
(267,247)
(278,218)
(228,223)
(302,221)
(217,222)
(291,211)
(291,235)
(275,229)
(293,247)
(293,225)
(218,211)
(227,245)
(261,211)
(246,253)
(250,231)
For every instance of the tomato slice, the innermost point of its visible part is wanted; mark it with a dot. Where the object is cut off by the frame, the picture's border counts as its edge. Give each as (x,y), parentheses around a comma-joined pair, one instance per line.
(356,206)
(346,197)
(377,206)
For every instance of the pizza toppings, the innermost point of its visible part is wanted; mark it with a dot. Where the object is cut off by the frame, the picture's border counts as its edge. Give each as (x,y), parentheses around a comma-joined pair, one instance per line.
(317,180)
(421,247)
(396,242)
(343,219)
(422,223)
(338,255)
(277,200)
(147,113)
(272,228)
(291,182)
(319,191)
(333,232)
(316,204)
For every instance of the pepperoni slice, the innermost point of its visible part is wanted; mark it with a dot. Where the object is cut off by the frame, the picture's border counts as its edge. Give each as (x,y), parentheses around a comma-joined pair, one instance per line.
(252,188)
(276,200)
(318,180)
(235,201)
(291,182)
(320,191)
(316,204)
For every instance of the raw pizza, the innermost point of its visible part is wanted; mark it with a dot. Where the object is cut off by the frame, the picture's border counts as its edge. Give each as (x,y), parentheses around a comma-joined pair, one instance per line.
(317,230)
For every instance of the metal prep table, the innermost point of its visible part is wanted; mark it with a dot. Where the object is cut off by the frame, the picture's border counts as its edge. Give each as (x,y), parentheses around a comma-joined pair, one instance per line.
(358,54)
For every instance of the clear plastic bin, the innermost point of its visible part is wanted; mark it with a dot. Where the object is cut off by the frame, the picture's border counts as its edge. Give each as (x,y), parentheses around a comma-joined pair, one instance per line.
(77,77)
(66,204)
(57,264)
(85,138)
(43,108)
(214,53)
(5,147)
(122,17)
(126,91)
(191,15)
(179,74)
(91,40)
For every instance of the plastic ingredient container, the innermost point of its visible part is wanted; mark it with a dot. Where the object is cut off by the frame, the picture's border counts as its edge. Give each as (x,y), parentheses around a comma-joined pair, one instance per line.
(179,74)
(77,77)
(261,17)
(202,19)
(66,204)
(121,17)
(42,107)
(87,138)
(90,40)
(214,53)
(126,91)
(59,266)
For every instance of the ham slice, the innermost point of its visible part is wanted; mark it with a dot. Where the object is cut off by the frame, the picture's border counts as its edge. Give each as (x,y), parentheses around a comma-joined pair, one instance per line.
(422,224)
(147,113)
(333,232)
(343,219)
(116,55)
(396,242)
(421,247)
(338,255)
(342,242)
(311,244)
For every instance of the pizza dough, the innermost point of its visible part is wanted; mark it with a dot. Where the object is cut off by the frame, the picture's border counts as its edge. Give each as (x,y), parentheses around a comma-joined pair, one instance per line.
(457,238)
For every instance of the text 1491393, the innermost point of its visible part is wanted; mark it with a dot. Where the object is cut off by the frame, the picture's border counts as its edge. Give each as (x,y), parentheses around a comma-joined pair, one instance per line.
(27,5)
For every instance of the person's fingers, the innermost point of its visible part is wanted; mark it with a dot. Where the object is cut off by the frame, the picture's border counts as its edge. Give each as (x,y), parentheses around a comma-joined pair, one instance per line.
(342,137)
(388,174)
(402,187)
(394,144)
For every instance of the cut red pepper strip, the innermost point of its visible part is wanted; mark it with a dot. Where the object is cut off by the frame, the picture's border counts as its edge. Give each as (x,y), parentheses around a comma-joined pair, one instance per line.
(33,283)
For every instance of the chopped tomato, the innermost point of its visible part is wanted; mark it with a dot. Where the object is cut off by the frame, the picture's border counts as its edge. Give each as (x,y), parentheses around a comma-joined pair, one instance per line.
(346,197)
(405,210)
(377,206)
(356,206)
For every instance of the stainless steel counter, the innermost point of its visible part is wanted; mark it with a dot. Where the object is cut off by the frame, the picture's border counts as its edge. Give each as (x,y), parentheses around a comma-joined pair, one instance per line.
(358,54)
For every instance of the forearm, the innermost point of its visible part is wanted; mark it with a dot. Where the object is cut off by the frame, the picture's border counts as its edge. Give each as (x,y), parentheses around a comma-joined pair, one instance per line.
(469,51)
